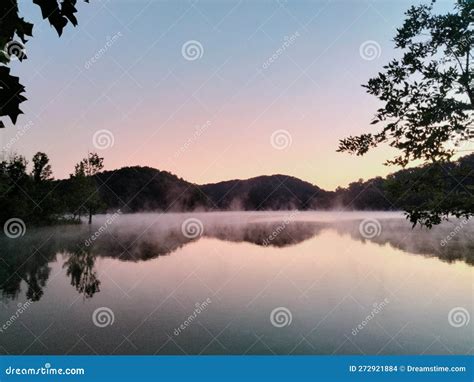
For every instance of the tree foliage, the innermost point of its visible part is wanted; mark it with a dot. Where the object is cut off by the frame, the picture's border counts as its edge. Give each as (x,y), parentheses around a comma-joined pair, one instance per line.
(14,33)
(427,94)
(41,168)
(84,182)
(36,198)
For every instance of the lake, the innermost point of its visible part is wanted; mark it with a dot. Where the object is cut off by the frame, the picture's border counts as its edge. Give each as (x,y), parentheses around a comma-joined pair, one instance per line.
(239,283)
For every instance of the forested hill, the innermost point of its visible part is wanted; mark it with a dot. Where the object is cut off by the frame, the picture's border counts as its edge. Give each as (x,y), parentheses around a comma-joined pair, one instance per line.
(146,189)
(275,192)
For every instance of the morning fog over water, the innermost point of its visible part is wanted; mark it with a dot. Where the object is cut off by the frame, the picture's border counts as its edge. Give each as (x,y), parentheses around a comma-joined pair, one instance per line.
(239,283)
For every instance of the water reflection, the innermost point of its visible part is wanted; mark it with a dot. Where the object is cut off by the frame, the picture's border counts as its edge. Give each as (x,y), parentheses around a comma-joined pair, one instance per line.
(27,259)
(80,268)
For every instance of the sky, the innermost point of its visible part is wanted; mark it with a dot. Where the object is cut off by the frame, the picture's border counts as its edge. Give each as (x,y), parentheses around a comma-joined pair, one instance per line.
(208,90)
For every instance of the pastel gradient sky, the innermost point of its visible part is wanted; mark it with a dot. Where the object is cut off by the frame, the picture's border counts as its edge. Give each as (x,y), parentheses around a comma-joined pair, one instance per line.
(154,101)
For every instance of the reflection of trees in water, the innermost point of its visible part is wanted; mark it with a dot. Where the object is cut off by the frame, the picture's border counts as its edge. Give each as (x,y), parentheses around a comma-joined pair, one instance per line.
(27,259)
(80,268)
(34,275)
(420,241)
(275,234)
(23,263)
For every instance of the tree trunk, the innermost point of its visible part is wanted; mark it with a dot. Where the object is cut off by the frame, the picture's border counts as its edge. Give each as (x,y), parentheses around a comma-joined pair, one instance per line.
(90,216)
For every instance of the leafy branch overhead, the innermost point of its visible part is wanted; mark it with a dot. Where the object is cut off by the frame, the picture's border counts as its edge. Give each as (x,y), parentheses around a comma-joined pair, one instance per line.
(428,93)
(14,31)
(427,112)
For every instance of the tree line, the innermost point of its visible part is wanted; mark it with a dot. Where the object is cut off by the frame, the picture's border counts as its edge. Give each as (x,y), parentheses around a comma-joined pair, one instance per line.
(37,198)
(428,194)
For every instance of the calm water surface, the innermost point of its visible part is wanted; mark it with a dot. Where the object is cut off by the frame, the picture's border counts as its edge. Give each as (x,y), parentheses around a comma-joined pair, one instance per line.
(242,283)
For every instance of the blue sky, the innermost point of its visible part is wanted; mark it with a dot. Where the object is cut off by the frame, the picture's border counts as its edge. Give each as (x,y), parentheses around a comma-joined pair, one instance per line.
(152,100)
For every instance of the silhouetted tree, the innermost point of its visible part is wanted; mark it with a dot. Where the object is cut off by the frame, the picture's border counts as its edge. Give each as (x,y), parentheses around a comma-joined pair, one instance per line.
(41,168)
(14,182)
(15,168)
(13,27)
(86,193)
(428,95)
(38,199)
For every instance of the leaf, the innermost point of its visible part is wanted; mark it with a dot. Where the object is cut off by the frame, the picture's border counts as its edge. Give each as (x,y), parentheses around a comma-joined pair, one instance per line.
(11,95)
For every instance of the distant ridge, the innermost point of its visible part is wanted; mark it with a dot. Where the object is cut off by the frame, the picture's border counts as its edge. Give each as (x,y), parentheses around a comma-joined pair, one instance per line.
(273,192)
(148,189)
(138,189)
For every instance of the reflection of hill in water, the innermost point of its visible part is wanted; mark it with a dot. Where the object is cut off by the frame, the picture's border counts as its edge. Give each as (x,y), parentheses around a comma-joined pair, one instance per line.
(275,234)
(421,241)
(26,259)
